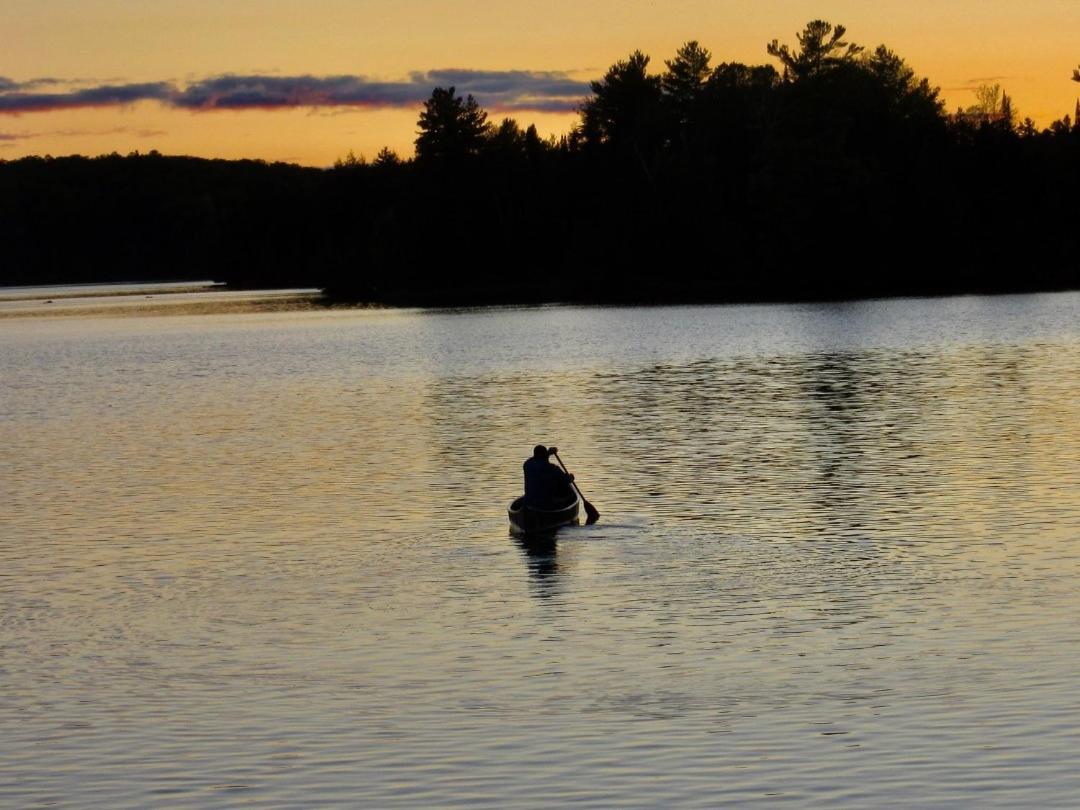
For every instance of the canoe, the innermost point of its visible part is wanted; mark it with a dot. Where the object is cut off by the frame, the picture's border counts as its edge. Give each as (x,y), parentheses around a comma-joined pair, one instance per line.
(529,520)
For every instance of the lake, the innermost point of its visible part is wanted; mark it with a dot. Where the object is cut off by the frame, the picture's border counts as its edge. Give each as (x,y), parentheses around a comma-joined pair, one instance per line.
(262,557)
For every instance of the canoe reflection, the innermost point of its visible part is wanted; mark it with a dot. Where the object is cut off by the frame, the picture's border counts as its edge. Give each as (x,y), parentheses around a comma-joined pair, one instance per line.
(541,559)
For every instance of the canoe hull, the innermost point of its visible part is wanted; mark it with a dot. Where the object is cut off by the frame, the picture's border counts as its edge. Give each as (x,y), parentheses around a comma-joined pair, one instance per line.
(527,520)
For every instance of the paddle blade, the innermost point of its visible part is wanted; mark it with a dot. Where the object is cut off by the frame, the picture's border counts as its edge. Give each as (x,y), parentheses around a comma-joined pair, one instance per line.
(591,515)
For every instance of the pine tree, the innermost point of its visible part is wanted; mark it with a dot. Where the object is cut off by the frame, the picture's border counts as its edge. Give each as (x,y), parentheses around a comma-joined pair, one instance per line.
(451,127)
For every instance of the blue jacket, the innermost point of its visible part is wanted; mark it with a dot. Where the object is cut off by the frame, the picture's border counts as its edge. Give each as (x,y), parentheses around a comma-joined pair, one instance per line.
(545,484)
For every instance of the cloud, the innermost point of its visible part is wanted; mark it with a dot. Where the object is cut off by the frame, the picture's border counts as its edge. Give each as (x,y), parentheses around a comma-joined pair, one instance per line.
(501,90)
(507,90)
(282,92)
(83,133)
(544,91)
(14,101)
(11,137)
(977,82)
(8,139)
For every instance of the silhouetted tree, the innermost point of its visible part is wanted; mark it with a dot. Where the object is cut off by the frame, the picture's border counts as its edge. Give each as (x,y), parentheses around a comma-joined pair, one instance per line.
(988,100)
(450,127)
(387,158)
(820,48)
(1007,111)
(836,179)
(624,111)
(507,141)
(685,80)
(1027,128)
(909,96)
(534,146)
(993,111)
(1060,128)
(733,123)
(350,161)
(760,80)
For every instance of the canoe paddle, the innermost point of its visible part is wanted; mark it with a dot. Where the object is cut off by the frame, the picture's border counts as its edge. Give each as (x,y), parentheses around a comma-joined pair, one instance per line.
(590,511)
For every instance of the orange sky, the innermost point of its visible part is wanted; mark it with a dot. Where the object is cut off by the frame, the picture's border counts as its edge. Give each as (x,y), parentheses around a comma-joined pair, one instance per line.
(1029,46)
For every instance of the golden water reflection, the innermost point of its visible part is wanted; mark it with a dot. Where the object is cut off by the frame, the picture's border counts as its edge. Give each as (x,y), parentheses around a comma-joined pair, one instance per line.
(837,559)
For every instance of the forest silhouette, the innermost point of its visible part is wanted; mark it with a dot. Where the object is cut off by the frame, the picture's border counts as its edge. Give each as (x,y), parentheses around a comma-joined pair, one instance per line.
(835,173)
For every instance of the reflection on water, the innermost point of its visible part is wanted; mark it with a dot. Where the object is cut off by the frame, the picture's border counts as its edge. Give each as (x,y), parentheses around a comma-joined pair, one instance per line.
(541,557)
(180,298)
(264,559)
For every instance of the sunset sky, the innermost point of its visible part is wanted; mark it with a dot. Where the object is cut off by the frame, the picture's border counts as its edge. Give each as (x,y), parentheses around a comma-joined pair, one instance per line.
(308,81)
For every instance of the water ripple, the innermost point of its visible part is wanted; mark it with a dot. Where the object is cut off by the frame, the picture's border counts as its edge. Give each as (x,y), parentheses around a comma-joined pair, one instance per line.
(264,559)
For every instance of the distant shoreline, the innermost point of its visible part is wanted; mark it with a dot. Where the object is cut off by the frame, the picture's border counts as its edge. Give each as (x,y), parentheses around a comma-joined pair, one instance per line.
(206,297)
(831,172)
(456,299)
(148,298)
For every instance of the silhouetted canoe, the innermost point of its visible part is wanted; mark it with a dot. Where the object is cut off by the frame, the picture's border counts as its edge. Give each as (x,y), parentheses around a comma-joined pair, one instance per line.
(527,520)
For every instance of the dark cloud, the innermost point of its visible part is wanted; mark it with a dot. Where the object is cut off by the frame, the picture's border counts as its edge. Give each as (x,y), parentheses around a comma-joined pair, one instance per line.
(17,100)
(277,92)
(519,89)
(542,91)
(546,91)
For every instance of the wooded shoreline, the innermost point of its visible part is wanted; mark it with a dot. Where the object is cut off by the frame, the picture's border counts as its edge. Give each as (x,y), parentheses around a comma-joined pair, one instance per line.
(838,175)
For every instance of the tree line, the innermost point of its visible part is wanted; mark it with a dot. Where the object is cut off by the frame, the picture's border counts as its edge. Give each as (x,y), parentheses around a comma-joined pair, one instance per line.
(834,171)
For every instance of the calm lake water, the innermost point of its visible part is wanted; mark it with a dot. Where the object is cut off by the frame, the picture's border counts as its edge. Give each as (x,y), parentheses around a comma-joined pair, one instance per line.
(263,559)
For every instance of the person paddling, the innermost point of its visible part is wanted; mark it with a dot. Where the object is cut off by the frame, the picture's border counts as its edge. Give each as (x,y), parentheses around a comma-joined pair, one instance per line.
(546,486)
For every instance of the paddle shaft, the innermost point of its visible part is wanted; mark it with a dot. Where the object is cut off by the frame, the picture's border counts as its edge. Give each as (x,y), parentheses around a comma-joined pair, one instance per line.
(590,510)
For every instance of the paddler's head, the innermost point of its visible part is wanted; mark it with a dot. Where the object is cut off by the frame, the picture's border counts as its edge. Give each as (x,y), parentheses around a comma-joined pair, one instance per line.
(540,452)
